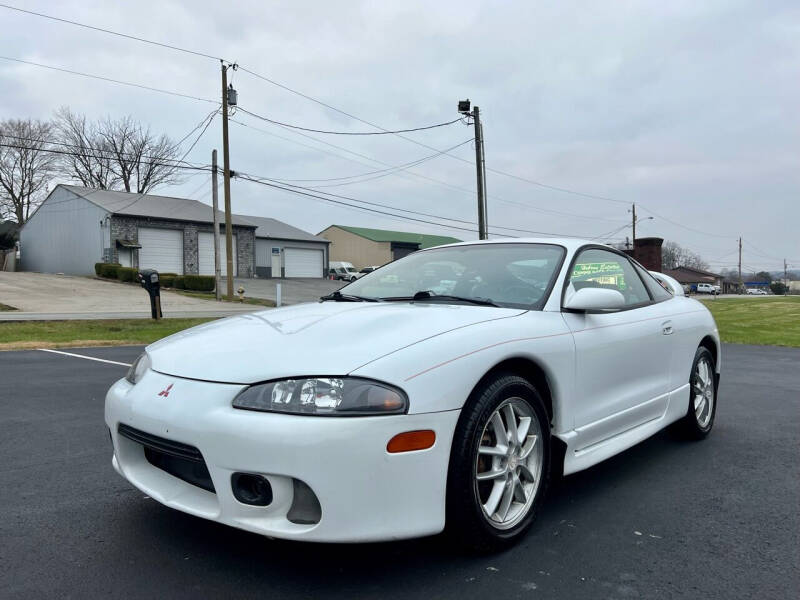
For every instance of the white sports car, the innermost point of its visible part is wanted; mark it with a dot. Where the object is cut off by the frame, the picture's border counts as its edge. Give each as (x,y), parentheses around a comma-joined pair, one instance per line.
(440,391)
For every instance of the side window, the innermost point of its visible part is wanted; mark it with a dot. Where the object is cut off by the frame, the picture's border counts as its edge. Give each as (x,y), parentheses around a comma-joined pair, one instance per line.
(600,268)
(657,291)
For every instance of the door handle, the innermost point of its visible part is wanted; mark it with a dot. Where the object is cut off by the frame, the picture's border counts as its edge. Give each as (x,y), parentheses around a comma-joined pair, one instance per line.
(666,328)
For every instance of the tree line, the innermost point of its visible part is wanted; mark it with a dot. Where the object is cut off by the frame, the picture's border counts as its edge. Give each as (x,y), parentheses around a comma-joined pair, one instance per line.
(110,154)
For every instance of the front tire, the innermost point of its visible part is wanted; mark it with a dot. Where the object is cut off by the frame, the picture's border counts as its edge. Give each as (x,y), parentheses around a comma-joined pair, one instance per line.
(499,464)
(699,418)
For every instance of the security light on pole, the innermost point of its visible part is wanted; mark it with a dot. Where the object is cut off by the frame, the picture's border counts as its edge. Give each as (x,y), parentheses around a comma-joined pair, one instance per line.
(480,164)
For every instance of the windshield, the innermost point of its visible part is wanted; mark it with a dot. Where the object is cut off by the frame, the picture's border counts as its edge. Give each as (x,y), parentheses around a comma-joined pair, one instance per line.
(350,270)
(512,275)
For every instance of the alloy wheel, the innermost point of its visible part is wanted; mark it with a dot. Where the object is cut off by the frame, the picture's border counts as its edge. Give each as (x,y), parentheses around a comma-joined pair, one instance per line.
(509,463)
(703,392)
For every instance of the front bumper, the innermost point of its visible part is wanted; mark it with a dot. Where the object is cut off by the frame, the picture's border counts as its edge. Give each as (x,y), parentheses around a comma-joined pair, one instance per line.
(365,493)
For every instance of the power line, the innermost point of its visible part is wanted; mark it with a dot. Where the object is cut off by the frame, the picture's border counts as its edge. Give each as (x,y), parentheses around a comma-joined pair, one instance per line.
(108,79)
(63,152)
(259,179)
(199,125)
(244,177)
(755,249)
(110,32)
(210,119)
(103,153)
(418,175)
(383,131)
(663,218)
(371,175)
(274,122)
(413,141)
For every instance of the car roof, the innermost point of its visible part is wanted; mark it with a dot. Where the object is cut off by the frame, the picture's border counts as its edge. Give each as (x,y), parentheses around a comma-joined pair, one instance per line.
(568,242)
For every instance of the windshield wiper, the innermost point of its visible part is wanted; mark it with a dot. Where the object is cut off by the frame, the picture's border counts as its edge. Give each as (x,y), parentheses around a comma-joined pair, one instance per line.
(338,296)
(429,295)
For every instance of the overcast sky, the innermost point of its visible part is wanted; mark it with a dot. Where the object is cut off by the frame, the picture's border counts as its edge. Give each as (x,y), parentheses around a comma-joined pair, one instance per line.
(690,109)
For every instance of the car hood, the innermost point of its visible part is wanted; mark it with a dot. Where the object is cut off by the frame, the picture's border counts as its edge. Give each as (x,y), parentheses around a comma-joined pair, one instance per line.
(326,338)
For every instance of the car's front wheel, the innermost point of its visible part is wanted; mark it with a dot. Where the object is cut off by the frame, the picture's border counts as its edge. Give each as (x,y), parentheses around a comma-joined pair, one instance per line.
(499,464)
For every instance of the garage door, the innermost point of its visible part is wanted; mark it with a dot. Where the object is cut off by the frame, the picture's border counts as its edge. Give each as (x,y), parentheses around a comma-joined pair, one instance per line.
(302,262)
(205,254)
(161,249)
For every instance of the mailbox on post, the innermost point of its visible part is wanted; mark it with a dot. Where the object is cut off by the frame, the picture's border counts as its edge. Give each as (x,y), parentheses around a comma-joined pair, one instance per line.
(149,280)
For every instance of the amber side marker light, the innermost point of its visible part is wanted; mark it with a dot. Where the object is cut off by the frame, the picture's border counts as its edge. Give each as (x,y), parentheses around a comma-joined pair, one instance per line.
(411,440)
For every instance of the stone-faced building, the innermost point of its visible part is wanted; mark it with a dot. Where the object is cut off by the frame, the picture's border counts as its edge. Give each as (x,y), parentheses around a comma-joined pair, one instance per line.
(75,227)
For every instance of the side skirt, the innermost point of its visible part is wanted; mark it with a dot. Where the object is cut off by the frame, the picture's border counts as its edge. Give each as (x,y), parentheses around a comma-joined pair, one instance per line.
(586,446)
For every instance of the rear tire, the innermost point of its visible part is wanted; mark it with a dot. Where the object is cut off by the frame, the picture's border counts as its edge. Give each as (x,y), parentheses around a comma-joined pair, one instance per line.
(499,464)
(699,418)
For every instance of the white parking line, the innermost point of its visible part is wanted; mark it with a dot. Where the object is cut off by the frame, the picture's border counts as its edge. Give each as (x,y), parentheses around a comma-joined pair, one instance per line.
(102,360)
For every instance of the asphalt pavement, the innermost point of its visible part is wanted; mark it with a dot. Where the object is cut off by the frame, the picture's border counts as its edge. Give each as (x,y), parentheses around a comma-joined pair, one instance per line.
(666,519)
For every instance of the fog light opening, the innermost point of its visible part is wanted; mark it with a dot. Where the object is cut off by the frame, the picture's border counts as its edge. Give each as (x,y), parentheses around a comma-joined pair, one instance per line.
(305,509)
(251,489)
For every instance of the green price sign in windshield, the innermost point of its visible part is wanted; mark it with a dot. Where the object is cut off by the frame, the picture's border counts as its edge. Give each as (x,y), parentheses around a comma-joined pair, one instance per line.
(604,268)
(608,273)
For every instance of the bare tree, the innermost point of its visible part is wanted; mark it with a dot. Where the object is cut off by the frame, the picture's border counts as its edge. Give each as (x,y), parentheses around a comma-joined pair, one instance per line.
(141,161)
(674,255)
(26,166)
(84,157)
(114,154)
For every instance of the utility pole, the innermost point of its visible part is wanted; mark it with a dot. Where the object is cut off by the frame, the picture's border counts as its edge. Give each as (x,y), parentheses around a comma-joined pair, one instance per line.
(215,204)
(741,284)
(485,202)
(480,165)
(633,235)
(785,278)
(226,176)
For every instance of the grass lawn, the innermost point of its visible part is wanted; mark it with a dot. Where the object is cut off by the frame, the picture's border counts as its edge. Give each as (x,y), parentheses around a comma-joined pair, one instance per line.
(17,335)
(768,320)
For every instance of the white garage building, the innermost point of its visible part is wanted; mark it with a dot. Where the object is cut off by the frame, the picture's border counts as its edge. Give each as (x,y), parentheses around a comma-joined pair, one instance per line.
(76,227)
(286,251)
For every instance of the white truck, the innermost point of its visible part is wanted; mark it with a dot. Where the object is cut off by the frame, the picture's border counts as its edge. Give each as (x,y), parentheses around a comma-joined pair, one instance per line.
(707,288)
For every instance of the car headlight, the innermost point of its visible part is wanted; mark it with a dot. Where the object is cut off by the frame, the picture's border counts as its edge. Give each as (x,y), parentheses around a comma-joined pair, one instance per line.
(324,396)
(138,368)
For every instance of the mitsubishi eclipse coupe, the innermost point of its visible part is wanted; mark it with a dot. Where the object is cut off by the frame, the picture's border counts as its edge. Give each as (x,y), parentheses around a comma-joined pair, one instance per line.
(438,392)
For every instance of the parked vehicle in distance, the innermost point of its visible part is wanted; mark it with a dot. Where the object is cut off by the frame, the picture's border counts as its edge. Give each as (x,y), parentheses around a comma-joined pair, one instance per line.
(717,289)
(706,288)
(366,270)
(343,270)
(437,393)
(757,292)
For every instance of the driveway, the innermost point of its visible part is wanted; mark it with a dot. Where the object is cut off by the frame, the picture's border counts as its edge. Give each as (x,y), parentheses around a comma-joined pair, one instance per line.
(666,519)
(39,296)
(293,291)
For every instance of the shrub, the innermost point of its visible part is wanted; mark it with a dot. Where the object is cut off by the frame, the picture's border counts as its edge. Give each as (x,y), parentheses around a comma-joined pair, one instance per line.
(127,274)
(200,283)
(167,279)
(109,270)
(97,268)
(179,283)
(778,288)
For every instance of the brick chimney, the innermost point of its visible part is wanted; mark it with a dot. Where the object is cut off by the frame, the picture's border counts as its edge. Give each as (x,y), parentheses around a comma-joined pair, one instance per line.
(648,252)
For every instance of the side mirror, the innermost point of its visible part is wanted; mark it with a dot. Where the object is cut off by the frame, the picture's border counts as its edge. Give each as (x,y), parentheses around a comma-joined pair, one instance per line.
(590,299)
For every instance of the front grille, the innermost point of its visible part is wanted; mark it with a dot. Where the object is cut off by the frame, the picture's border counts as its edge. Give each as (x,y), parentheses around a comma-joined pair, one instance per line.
(176,458)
